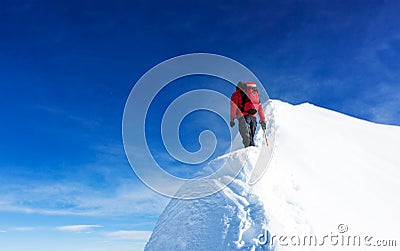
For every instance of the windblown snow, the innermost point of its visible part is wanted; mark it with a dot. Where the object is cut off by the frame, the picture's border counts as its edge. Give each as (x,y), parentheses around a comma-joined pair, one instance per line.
(332,178)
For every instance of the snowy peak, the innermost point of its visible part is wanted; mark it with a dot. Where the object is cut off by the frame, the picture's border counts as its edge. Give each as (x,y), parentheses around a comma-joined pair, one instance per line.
(230,219)
(327,169)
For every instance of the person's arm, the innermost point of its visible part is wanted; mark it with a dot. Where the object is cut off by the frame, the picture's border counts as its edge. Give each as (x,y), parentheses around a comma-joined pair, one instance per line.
(234,106)
(260,111)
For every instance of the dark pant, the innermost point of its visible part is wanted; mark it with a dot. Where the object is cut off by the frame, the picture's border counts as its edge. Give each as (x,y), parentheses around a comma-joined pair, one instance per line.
(247,129)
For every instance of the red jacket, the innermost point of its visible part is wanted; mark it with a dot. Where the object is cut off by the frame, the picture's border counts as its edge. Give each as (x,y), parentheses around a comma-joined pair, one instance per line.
(236,101)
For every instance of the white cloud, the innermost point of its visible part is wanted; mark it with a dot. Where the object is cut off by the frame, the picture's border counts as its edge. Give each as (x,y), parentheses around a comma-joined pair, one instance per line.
(3,231)
(68,115)
(378,105)
(78,199)
(130,235)
(78,228)
(24,229)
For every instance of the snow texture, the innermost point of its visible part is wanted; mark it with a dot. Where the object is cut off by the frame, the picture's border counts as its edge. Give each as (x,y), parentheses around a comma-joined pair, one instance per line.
(326,169)
(227,220)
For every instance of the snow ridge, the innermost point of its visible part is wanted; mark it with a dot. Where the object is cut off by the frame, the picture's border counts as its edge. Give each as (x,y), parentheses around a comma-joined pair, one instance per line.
(325,170)
(230,219)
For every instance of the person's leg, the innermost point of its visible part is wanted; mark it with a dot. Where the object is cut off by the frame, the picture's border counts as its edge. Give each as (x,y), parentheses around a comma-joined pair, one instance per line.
(244,130)
(252,122)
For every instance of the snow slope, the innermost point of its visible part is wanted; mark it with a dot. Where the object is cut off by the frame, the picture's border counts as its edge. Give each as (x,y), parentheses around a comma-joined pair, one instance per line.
(327,169)
(330,169)
(230,219)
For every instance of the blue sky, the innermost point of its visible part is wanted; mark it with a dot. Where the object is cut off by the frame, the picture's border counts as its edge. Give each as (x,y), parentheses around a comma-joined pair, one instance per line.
(67,67)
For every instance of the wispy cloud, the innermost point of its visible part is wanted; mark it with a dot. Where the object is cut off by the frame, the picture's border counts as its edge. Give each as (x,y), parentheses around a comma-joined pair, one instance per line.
(68,115)
(24,229)
(78,228)
(386,104)
(130,235)
(102,189)
(378,105)
(78,199)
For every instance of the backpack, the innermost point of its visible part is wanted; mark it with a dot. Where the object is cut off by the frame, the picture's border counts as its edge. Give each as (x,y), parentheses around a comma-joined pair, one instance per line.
(250,98)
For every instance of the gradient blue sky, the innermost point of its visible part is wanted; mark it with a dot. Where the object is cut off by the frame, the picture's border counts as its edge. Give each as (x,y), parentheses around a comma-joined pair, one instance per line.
(67,67)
